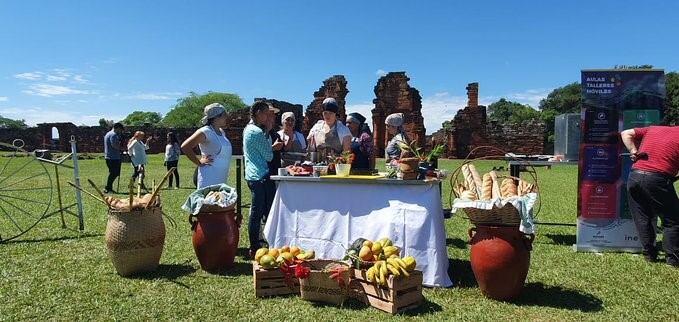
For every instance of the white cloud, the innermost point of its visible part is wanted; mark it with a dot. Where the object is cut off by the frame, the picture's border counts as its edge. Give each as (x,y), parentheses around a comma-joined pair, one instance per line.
(4,98)
(380,72)
(55,78)
(29,76)
(80,79)
(531,97)
(35,115)
(154,96)
(47,90)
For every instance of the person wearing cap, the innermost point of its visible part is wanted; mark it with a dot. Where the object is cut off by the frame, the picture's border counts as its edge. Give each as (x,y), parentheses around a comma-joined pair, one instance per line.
(293,141)
(257,153)
(394,124)
(328,136)
(215,148)
(654,151)
(113,148)
(361,144)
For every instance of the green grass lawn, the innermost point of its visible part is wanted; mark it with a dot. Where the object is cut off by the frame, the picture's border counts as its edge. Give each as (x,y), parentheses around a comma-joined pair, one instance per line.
(61,274)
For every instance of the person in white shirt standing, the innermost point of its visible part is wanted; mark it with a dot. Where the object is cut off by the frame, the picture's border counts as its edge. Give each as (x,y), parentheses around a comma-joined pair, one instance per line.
(136,148)
(172,152)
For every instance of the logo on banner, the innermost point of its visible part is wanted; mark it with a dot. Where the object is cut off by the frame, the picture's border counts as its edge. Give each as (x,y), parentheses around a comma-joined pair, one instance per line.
(599,190)
(601,116)
(600,153)
(641,116)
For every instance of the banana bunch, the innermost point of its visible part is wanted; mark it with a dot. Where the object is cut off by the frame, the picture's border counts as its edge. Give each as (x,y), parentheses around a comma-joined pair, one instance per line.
(396,266)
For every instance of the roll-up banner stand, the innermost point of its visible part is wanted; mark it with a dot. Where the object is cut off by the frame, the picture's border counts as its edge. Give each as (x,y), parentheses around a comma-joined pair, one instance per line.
(612,100)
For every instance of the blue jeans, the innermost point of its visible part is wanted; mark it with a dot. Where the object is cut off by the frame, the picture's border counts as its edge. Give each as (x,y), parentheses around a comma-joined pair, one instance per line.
(263,192)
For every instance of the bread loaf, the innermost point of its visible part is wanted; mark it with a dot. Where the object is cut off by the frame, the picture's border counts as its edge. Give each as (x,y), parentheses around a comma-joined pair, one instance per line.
(469,178)
(508,188)
(525,187)
(468,194)
(495,193)
(478,181)
(487,187)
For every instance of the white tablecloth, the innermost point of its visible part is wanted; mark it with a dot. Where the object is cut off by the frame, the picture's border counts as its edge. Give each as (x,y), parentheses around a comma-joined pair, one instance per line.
(329,216)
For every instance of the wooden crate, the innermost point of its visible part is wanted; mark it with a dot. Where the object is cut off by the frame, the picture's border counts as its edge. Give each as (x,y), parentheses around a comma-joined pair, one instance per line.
(271,282)
(400,294)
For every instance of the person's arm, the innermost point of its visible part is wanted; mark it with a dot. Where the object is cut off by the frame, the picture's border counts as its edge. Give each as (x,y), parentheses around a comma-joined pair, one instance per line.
(146,144)
(189,144)
(278,144)
(628,139)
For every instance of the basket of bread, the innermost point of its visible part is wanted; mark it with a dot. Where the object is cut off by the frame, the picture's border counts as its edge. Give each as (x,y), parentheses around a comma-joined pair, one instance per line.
(493,198)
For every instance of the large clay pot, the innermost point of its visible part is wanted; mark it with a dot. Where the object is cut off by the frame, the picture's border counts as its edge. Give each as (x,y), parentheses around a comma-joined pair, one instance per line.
(215,239)
(135,239)
(500,258)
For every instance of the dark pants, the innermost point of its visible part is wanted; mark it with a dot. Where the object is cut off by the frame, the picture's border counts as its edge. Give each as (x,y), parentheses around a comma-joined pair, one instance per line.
(113,172)
(652,195)
(175,173)
(263,192)
(138,170)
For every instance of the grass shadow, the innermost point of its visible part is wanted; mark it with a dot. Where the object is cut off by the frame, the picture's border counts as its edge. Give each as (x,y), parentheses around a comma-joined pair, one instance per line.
(559,239)
(456,242)
(427,307)
(169,272)
(51,239)
(538,294)
(460,271)
(349,304)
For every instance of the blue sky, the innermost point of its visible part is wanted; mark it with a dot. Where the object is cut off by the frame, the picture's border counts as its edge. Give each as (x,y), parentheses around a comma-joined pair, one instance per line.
(81,60)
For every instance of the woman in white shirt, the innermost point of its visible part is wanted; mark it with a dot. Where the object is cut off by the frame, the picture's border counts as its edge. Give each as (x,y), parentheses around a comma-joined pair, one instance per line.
(215,147)
(172,152)
(136,148)
(328,136)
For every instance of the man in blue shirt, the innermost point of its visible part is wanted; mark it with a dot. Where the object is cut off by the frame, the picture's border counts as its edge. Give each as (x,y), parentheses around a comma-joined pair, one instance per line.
(113,146)
(257,152)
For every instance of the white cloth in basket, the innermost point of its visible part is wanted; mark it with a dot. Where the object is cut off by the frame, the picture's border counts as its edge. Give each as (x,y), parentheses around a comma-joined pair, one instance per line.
(524,204)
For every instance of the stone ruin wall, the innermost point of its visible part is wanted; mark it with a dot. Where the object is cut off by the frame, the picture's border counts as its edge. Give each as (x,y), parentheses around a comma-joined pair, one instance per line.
(470,129)
(394,95)
(335,87)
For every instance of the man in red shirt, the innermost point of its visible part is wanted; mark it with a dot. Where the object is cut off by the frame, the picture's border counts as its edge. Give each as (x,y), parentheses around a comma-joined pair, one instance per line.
(655,153)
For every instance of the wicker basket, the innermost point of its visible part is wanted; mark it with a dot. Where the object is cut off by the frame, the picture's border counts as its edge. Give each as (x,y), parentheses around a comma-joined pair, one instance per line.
(135,240)
(507,215)
(319,287)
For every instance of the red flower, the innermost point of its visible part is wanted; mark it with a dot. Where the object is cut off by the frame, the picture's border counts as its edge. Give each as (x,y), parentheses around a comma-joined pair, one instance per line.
(302,271)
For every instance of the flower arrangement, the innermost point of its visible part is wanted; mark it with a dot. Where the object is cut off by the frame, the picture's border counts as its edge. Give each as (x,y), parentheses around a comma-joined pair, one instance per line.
(346,157)
(411,149)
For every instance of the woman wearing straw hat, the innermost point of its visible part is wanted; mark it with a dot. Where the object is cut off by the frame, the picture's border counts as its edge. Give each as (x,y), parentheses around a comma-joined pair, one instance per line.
(215,147)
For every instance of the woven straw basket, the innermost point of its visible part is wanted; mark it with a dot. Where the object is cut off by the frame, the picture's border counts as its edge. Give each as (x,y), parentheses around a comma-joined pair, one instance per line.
(319,287)
(504,216)
(135,240)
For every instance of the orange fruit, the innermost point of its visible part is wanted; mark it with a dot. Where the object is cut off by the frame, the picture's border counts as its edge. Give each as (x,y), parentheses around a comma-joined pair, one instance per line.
(365,253)
(294,250)
(274,252)
(285,248)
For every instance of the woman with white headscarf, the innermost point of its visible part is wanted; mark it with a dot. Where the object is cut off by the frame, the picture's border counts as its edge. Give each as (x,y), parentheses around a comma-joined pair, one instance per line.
(329,136)
(215,147)
(394,124)
(294,143)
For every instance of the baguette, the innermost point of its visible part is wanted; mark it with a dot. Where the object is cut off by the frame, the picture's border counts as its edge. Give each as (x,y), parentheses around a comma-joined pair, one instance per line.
(487,187)
(508,188)
(525,187)
(469,179)
(478,181)
(468,194)
(495,192)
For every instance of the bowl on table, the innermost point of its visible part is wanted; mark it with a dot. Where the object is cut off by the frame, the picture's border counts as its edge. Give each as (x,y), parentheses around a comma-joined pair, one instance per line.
(320,170)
